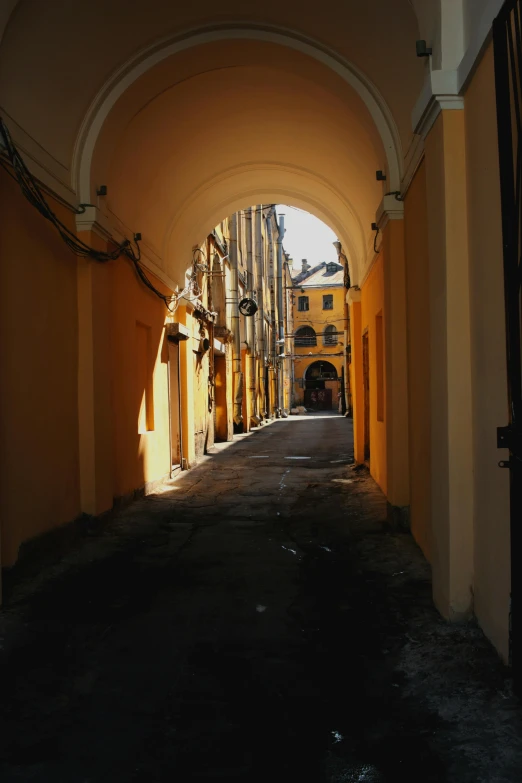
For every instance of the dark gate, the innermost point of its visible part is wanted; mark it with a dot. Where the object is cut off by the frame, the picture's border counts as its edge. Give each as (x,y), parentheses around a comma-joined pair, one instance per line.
(507,39)
(318,399)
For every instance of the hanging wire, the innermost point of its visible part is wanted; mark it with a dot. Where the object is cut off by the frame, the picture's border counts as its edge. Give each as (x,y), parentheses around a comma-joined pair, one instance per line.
(13,163)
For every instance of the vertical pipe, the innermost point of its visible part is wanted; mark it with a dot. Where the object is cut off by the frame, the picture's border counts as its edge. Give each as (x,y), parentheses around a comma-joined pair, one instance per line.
(252,401)
(280,321)
(236,350)
(260,274)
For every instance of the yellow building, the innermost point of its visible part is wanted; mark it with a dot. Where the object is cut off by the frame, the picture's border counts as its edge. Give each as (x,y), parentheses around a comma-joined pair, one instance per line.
(319,336)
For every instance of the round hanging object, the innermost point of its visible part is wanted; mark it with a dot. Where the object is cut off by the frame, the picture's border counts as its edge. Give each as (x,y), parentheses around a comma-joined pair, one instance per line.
(248,307)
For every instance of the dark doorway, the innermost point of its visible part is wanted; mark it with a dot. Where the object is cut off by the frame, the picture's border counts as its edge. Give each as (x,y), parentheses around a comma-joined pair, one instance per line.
(318,399)
(366,387)
(321,380)
(220,405)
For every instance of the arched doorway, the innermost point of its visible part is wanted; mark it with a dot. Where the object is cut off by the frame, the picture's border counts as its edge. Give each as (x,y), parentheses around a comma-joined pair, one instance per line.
(321,386)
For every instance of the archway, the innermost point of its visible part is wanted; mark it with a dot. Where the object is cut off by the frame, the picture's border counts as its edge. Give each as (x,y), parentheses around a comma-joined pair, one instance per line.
(321,386)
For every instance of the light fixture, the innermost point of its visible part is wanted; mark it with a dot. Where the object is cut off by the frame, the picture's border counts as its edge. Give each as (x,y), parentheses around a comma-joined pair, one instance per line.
(380,176)
(102,190)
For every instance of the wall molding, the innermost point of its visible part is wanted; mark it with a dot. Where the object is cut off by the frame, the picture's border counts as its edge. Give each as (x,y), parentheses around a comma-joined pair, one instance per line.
(442,89)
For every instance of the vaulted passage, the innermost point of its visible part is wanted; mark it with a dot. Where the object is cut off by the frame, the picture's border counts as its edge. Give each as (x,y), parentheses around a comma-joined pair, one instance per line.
(152,317)
(255,620)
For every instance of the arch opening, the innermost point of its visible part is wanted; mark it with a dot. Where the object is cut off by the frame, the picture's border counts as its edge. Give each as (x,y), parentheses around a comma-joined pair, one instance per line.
(225,123)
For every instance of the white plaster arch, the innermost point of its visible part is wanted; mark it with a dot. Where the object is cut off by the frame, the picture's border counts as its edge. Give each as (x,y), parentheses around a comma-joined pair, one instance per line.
(147,58)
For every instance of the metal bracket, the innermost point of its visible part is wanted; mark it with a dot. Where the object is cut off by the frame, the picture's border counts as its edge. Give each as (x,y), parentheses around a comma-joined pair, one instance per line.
(509,438)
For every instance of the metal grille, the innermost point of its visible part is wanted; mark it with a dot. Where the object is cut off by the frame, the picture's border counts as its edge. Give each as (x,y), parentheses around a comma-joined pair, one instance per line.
(305,337)
(507,39)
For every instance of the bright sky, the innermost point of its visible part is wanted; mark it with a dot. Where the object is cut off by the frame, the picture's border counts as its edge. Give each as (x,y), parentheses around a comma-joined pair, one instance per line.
(306,237)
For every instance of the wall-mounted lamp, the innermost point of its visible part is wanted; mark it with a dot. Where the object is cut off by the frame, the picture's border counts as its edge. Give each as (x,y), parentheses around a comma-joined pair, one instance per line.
(375,227)
(380,176)
(102,190)
(422,49)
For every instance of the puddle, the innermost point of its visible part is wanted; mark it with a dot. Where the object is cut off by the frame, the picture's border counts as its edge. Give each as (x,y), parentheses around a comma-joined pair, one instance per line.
(343,481)
(293,551)
(298,458)
(259,456)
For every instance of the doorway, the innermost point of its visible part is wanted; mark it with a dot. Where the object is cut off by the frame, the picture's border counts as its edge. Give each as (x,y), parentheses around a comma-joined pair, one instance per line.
(366,391)
(220,395)
(175,407)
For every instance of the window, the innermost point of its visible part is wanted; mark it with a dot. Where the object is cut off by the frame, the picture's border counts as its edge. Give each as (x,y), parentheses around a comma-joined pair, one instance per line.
(330,335)
(328,302)
(305,336)
(331,268)
(302,303)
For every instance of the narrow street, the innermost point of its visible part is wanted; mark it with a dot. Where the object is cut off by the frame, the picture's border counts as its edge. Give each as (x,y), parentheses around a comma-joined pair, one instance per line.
(254,621)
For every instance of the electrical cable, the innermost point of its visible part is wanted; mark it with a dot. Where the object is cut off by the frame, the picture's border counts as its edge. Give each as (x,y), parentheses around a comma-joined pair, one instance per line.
(19,172)
(397,193)
(375,248)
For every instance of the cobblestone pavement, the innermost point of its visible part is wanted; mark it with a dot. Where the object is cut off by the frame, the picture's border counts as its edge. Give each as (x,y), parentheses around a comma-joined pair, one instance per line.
(253,621)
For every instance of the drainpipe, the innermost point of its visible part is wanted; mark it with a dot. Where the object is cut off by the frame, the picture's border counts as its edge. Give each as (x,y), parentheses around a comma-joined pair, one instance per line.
(346,367)
(253,406)
(280,314)
(236,349)
(260,269)
(273,347)
(288,330)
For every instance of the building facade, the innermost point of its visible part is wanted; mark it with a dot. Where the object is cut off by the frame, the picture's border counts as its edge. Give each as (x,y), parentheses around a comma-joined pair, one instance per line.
(319,337)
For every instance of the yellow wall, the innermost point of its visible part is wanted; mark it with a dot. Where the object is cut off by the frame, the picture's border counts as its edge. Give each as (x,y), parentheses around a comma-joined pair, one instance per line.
(372,305)
(318,319)
(450,350)
(39,461)
(419,393)
(139,457)
(491,485)
(356,375)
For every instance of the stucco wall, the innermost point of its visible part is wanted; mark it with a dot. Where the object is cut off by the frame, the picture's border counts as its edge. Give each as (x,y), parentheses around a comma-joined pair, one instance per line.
(372,304)
(39,462)
(139,457)
(491,499)
(419,392)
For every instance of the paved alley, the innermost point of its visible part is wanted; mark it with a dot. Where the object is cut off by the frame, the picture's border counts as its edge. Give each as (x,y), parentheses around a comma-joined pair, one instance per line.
(254,621)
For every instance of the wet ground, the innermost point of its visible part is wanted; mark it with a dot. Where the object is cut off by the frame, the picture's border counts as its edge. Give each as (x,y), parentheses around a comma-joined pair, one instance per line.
(255,621)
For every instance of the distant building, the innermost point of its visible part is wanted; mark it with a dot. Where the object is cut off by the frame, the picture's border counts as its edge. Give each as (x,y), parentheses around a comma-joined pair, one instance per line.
(319,335)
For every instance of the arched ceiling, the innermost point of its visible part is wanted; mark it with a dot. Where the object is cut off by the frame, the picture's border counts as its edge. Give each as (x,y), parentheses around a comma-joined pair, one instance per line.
(241,119)
(57,54)
(220,125)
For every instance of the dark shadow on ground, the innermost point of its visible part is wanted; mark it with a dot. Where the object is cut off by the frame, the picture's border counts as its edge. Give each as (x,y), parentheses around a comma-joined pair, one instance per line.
(257,620)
